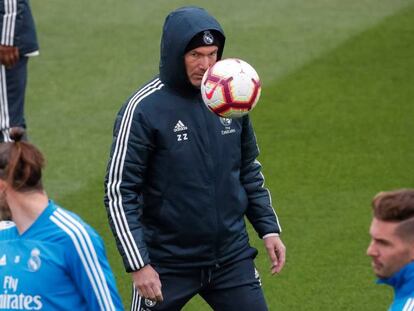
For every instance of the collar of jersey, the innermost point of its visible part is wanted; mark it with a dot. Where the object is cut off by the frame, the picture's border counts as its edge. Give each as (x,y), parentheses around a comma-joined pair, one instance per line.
(50,208)
(402,280)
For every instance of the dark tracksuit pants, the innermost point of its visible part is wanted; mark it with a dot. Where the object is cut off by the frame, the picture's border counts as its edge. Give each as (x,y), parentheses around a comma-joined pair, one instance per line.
(235,286)
(12,92)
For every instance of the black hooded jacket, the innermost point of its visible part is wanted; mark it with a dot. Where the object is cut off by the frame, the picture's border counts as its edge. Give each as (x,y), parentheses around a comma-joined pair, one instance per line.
(180,179)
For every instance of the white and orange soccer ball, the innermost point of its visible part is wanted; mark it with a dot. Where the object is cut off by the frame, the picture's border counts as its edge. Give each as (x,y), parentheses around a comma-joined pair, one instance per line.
(231,88)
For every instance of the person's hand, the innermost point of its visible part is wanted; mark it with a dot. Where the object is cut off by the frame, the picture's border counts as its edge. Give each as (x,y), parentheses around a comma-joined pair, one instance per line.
(9,55)
(147,282)
(276,251)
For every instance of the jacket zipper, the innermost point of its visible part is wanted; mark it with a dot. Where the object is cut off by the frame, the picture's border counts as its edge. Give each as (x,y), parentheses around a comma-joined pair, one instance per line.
(212,178)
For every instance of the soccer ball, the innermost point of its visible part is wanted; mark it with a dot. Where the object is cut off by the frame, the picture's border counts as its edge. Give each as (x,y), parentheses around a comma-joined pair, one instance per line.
(230,88)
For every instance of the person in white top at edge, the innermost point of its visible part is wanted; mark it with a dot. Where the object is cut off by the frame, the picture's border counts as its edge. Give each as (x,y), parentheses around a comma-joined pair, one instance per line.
(18,42)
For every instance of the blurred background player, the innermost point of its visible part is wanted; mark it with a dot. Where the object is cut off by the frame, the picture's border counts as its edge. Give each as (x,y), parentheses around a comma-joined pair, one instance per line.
(178,186)
(49,258)
(392,244)
(17,43)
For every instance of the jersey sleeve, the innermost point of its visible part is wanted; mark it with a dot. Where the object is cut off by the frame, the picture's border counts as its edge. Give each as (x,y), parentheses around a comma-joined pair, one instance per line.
(403,303)
(90,269)
(260,211)
(8,15)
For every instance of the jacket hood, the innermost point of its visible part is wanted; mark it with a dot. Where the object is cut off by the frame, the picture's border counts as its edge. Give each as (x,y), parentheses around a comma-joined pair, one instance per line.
(180,27)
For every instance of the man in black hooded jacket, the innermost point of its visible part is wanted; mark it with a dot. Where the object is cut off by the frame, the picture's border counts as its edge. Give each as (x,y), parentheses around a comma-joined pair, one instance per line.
(178,185)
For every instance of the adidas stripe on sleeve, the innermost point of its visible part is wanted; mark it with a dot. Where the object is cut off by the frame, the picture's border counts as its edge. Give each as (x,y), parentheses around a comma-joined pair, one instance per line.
(120,224)
(88,263)
(9,22)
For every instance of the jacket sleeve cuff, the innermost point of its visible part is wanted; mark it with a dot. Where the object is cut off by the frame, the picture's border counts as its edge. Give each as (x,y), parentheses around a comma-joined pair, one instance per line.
(270,234)
(130,269)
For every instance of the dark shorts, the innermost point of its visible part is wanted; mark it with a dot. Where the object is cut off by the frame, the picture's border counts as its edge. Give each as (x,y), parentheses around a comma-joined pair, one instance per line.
(12,92)
(235,286)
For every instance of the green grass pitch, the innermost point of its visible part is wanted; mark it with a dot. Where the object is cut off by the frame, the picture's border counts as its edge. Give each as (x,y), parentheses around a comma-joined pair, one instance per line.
(335,122)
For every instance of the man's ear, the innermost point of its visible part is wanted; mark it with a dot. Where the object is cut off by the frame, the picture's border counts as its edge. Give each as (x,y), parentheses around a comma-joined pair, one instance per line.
(3,185)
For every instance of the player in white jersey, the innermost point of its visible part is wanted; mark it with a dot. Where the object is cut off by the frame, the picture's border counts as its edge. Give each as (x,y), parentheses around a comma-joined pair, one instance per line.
(49,258)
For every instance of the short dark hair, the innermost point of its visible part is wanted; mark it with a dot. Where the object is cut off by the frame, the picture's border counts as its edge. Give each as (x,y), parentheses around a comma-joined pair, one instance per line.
(21,163)
(396,206)
(406,229)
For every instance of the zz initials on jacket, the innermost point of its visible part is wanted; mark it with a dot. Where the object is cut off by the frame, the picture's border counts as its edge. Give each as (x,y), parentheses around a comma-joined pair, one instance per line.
(182,136)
